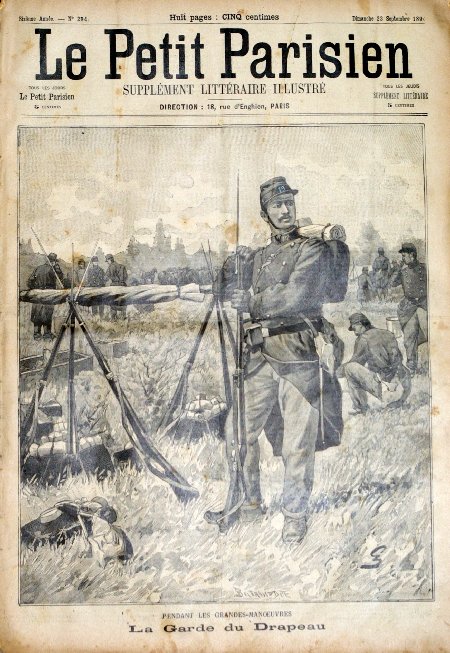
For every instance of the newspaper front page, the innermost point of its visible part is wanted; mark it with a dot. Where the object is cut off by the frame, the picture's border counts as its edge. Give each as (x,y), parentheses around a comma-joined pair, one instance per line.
(224,309)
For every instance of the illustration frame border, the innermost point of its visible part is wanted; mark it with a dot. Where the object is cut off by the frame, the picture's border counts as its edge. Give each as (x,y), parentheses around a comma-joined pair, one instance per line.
(432,598)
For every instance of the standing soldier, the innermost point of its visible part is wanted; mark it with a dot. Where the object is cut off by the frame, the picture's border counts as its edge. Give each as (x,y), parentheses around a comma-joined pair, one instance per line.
(44,277)
(80,280)
(118,275)
(79,273)
(412,309)
(380,268)
(96,278)
(285,388)
(364,293)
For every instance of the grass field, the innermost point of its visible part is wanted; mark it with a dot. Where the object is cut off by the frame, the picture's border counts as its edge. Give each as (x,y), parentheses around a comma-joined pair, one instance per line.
(369,536)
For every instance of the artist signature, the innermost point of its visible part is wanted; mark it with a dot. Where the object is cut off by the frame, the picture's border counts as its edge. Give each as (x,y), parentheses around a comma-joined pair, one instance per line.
(260,594)
(375,554)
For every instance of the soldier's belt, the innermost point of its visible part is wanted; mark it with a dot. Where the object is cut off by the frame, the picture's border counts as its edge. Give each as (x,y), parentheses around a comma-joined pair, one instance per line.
(255,333)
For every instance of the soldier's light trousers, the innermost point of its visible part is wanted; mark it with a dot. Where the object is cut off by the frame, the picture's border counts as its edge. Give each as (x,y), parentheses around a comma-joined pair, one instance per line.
(415,332)
(360,381)
(300,424)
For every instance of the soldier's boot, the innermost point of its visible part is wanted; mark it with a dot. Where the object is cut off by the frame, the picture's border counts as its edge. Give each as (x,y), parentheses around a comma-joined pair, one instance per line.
(294,529)
(48,335)
(37,333)
(251,512)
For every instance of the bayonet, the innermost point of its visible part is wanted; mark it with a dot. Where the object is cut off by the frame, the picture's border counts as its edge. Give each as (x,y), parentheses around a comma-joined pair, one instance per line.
(58,280)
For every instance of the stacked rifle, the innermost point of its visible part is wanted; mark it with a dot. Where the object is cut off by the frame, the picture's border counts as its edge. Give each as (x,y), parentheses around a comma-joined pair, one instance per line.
(155,462)
(136,431)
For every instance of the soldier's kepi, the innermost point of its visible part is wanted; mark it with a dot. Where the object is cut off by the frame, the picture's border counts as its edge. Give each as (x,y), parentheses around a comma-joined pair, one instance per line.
(288,392)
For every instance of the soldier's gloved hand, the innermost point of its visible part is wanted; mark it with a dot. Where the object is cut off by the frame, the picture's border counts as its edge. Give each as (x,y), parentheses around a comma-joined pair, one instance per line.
(244,253)
(240,300)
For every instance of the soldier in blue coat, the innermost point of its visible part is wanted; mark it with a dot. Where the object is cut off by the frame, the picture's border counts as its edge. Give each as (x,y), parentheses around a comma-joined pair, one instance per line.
(287,394)
(413,309)
(96,278)
(364,292)
(117,275)
(44,277)
(381,270)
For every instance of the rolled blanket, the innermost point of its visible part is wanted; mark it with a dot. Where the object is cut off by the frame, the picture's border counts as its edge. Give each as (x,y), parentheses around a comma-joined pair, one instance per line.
(51,448)
(325,232)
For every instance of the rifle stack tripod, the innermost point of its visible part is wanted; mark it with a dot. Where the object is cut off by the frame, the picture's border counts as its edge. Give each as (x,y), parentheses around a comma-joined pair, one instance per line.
(155,462)
(136,431)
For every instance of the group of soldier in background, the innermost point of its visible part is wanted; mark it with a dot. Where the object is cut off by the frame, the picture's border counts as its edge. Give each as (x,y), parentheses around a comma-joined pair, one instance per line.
(376,283)
(410,274)
(92,275)
(379,281)
(46,276)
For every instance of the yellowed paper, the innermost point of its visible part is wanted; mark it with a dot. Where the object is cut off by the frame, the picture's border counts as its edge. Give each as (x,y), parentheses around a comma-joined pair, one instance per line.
(162,489)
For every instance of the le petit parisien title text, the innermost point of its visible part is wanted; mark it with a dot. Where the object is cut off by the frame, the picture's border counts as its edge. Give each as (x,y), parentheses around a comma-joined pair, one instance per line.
(181,59)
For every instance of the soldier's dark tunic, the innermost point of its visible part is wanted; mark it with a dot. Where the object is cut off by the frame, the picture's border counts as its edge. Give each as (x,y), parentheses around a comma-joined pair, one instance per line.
(118,275)
(96,277)
(412,309)
(43,278)
(364,288)
(380,267)
(289,282)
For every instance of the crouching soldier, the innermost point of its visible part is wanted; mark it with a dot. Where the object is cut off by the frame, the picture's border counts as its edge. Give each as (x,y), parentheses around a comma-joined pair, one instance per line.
(376,363)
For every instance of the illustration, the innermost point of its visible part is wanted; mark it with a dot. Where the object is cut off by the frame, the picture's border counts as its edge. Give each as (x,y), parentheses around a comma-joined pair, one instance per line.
(241,381)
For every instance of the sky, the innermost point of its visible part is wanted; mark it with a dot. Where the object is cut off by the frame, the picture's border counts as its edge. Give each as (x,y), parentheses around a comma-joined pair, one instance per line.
(80,185)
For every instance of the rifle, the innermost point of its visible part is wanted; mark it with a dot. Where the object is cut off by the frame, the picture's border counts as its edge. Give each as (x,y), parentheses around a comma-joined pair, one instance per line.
(155,462)
(176,405)
(58,280)
(235,439)
(179,396)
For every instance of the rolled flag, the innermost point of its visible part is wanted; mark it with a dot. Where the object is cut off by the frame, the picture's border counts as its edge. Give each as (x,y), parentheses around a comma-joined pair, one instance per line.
(118,295)
(324,231)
